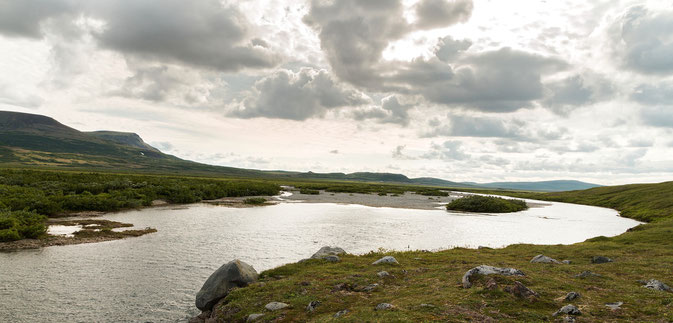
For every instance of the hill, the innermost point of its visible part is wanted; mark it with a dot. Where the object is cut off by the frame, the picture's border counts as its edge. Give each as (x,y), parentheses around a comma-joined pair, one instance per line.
(543,186)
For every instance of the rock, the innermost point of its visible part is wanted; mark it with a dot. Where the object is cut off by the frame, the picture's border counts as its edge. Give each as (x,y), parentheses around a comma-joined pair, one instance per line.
(312,306)
(341,313)
(566,262)
(488,270)
(568,319)
(232,274)
(332,258)
(521,291)
(491,284)
(253,317)
(327,251)
(657,285)
(600,260)
(382,274)
(158,202)
(542,259)
(568,309)
(384,306)
(274,306)
(614,306)
(427,305)
(201,318)
(370,288)
(386,260)
(571,296)
(586,274)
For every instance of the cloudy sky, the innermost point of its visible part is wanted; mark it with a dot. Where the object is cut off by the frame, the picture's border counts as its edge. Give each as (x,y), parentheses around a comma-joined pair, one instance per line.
(465,90)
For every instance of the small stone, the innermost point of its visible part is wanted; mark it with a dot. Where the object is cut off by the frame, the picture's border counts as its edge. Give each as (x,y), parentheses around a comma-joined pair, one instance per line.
(274,306)
(383,274)
(312,306)
(341,313)
(568,319)
(384,306)
(521,291)
(568,309)
(253,317)
(370,288)
(491,284)
(386,260)
(600,260)
(586,274)
(614,306)
(427,305)
(566,262)
(488,270)
(332,258)
(572,296)
(657,285)
(542,259)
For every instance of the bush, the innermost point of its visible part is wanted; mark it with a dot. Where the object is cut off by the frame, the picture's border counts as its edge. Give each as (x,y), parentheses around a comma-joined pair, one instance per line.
(486,204)
(15,225)
(255,200)
(309,191)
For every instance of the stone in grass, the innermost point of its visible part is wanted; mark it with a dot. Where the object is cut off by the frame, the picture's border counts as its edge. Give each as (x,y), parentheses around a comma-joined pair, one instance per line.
(340,313)
(657,285)
(542,259)
(587,274)
(312,306)
(332,258)
(614,306)
(600,260)
(253,317)
(488,270)
(572,296)
(384,306)
(274,306)
(232,274)
(383,274)
(491,284)
(566,262)
(386,260)
(327,251)
(568,309)
(369,288)
(521,291)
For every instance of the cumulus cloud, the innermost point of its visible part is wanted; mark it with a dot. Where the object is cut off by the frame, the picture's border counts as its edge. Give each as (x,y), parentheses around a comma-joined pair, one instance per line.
(642,40)
(471,126)
(659,116)
(390,111)
(448,49)
(298,96)
(575,91)
(661,94)
(25,18)
(441,13)
(398,153)
(449,150)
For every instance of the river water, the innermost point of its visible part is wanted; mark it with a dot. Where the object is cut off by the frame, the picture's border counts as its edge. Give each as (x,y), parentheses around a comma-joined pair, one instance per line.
(155,277)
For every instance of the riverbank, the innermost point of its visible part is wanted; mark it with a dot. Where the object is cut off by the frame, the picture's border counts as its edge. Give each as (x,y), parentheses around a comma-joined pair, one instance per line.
(427,286)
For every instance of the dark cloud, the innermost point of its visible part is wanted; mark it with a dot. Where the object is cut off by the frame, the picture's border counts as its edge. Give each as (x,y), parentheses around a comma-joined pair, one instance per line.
(659,116)
(199,33)
(24,18)
(298,96)
(643,40)
(468,126)
(441,13)
(575,91)
(448,48)
(390,111)
(661,94)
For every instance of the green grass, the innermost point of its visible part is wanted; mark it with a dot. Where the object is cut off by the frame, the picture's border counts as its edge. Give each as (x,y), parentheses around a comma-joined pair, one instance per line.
(645,252)
(486,204)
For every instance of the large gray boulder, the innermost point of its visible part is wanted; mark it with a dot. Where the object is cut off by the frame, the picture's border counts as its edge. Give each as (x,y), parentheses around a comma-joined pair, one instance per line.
(232,274)
(386,260)
(657,285)
(327,251)
(488,270)
(542,259)
(568,309)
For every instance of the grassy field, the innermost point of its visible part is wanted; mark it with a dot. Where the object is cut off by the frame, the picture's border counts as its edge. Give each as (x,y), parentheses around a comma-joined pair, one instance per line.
(427,286)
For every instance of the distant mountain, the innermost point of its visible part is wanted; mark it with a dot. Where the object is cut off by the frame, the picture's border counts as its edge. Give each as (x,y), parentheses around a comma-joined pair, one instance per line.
(544,186)
(30,140)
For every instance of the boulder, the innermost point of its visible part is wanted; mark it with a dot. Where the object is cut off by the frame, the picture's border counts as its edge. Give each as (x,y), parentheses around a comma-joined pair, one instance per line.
(274,306)
(566,262)
(327,251)
(232,274)
(586,274)
(386,260)
(340,313)
(384,306)
(600,260)
(370,288)
(542,259)
(253,317)
(657,285)
(488,270)
(571,296)
(614,306)
(382,274)
(568,309)
(521,291)
(312,306)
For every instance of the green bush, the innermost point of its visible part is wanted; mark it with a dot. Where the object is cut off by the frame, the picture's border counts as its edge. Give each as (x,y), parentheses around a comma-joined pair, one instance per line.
(486,204)
(309,191)
(255,200)
(15,225)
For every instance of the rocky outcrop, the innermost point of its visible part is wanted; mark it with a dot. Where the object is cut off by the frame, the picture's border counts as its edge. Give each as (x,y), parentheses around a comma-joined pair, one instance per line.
(386,260)
(488,270)
(232,274)
(657,285)
(327,251)
(542,259)
(571,296)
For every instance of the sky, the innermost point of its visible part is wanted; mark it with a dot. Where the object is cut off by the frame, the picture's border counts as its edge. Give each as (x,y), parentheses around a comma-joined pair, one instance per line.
(464,90)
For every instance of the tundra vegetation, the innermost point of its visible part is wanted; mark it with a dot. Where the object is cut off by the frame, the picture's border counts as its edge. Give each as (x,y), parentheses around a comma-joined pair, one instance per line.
(486,204)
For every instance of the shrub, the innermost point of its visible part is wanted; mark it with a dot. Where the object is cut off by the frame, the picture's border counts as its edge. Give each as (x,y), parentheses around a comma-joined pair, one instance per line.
(255,200)
(309,191)
(486,204)
(15,225)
